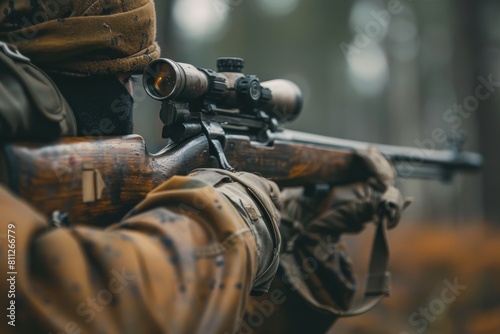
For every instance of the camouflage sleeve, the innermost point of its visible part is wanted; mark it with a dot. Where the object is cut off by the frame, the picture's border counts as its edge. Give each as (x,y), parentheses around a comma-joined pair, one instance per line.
(183,262)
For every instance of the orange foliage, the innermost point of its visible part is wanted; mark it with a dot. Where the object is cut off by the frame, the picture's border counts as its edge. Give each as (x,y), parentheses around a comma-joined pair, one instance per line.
(425,261)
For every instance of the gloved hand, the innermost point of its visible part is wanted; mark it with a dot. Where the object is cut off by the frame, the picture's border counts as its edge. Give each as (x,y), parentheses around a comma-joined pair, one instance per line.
(311,229)
(348,208)
(256,199)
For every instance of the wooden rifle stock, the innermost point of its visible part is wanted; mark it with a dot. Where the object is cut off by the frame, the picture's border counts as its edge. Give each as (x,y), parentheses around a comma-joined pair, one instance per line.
(97,181)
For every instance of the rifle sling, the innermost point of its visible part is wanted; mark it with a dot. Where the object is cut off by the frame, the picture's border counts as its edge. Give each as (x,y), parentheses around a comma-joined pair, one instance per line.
(377,286)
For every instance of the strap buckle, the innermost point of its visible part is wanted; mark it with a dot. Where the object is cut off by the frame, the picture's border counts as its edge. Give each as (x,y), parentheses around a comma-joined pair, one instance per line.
(13,52)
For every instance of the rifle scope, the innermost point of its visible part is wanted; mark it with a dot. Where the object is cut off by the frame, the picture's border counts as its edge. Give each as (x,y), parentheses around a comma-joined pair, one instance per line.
(167,80)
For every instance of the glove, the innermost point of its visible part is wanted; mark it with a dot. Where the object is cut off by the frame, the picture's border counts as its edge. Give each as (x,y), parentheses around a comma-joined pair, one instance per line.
(256,199)
(311,228)
(348,208)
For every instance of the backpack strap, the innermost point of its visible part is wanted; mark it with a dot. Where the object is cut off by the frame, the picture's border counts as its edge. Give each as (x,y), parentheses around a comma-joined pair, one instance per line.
(31,106)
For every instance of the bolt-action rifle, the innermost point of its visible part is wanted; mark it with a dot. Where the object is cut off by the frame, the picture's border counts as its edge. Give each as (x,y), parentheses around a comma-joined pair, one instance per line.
(221,119)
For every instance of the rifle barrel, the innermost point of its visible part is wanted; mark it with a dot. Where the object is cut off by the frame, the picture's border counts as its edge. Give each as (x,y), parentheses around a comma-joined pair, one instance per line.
(409,162)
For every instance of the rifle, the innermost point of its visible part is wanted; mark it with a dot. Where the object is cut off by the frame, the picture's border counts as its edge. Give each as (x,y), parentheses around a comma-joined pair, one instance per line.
(222,119)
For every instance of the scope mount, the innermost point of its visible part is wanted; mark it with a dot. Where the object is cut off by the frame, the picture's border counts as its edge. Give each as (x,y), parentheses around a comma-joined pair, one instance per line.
(183,121)
(201,101)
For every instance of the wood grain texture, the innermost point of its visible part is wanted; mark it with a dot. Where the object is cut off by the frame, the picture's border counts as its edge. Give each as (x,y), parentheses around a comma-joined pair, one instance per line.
(290,164)
(49,176)
(97,181)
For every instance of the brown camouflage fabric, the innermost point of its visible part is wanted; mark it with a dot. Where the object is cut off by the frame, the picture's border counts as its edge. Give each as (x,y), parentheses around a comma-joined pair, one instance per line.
(82,37)
(184,261)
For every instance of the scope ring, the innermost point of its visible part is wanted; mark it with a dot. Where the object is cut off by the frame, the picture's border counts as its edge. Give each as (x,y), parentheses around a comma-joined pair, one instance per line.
(217,85)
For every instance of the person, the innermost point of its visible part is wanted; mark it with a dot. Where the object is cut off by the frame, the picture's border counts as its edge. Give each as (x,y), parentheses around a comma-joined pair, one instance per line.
(187,258)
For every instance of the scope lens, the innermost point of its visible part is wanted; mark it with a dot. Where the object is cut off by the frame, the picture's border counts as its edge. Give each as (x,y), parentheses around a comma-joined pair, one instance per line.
(165,80)
(161,79)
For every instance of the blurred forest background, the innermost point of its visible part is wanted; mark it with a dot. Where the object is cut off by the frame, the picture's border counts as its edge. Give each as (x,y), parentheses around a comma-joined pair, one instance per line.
(395,72)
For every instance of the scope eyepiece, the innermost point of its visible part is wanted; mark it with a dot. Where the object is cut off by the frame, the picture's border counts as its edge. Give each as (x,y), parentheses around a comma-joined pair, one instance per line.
(165,79)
